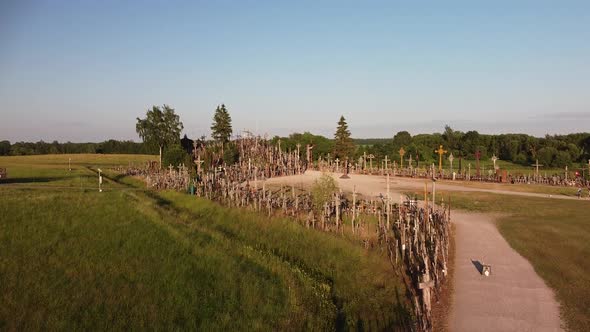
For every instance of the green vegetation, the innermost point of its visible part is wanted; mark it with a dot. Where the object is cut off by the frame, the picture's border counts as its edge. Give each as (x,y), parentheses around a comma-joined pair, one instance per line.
(343,144)
(129,258)
(221,128)
(552,234)
(161,128)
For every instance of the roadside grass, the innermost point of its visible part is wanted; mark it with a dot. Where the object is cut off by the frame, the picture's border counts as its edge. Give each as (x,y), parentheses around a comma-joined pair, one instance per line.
(137,259)
(530,188)
(552,234)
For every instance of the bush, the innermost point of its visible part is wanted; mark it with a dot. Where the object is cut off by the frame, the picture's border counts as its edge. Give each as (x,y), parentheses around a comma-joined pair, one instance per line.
(322,191)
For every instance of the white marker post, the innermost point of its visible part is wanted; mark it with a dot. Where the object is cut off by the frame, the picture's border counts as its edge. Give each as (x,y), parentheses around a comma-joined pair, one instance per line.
(99,181)
(70,164)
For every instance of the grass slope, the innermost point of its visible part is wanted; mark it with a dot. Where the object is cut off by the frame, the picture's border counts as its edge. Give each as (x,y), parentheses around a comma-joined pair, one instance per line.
(135,259)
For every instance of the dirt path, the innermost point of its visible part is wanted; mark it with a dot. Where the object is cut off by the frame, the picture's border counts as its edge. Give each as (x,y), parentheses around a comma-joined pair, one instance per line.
(513,298)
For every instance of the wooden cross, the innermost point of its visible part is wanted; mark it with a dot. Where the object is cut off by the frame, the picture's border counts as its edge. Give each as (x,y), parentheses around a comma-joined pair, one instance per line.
(199,162)
(537,165)
(477,156)
(440,151)
(451,158)
(195,148)
(402,152)
(371,156)
(494,159)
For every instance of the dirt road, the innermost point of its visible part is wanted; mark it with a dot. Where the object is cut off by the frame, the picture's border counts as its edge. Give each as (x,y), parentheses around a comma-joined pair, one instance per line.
(513,298)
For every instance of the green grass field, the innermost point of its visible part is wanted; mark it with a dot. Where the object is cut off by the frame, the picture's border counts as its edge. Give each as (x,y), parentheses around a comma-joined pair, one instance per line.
(554,235)
(72,258)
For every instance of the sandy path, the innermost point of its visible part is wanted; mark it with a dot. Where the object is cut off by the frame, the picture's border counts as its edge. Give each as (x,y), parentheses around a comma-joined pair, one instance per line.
(513,298)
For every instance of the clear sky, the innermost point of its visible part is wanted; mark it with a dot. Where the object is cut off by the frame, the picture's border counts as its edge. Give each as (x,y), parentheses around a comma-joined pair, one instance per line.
(84,70)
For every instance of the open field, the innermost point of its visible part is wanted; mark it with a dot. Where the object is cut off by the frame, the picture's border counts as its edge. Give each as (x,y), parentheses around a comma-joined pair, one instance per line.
(128,258)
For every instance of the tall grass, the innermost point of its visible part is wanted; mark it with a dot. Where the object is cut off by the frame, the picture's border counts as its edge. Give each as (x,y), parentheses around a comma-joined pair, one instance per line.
(135,259)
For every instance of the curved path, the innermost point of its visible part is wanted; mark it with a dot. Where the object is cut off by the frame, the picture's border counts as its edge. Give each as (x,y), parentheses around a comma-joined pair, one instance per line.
(513,298)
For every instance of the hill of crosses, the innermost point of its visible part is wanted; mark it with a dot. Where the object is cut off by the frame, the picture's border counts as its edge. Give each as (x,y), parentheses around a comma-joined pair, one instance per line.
(416,238)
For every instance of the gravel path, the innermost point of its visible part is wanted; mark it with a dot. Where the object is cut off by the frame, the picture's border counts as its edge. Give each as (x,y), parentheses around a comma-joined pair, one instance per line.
(513,298)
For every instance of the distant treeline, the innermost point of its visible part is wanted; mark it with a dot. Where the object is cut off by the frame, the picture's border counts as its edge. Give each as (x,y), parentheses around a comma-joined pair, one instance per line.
(551,150)
(41,147)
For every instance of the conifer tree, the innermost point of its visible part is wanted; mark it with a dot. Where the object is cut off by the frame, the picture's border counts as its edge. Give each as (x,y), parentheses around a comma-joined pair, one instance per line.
(343,145)
(221,129)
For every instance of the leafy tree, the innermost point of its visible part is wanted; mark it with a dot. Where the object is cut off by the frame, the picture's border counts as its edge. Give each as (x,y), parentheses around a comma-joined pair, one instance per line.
(343,145)
(221,129)
(401,139)
(4,148)
(160,128)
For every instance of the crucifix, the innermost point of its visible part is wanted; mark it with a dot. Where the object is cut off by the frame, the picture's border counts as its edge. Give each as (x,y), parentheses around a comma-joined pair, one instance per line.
(371,156)
(308,148)
(440,151)
(195,149)
(537,165)
(199,162)
(171,168)
(402,152)
(494,159)
(451,158)
(386,160)
(477,156)
(337,161)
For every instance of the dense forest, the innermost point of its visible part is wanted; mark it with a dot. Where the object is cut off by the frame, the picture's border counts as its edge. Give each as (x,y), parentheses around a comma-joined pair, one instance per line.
(551,150)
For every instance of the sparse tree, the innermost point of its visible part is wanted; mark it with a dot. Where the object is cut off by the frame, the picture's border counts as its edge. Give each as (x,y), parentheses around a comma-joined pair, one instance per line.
(221,129)
(343,144)
(160,128)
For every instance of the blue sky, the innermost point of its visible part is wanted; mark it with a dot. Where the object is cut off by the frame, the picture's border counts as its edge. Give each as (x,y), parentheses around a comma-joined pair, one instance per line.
(84,70)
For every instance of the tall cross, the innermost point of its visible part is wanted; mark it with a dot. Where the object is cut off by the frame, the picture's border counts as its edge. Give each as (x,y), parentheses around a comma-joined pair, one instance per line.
(402,152)
(337,161)
(494,159)
(386,160)
(537,165)
(440,151)
(451,158)
(195,148)
(199,162)
(410,161)
(171,168)
(371,156)
(477,156)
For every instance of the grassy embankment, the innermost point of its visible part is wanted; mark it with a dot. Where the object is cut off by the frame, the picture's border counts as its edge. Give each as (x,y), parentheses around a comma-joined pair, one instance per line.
(135,259)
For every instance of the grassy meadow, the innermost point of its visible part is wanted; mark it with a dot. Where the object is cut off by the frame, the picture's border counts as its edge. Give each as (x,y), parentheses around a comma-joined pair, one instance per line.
(72,258)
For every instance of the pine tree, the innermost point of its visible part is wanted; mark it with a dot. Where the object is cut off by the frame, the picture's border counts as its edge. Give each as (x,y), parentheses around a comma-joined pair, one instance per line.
(343,145)
(221,129)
